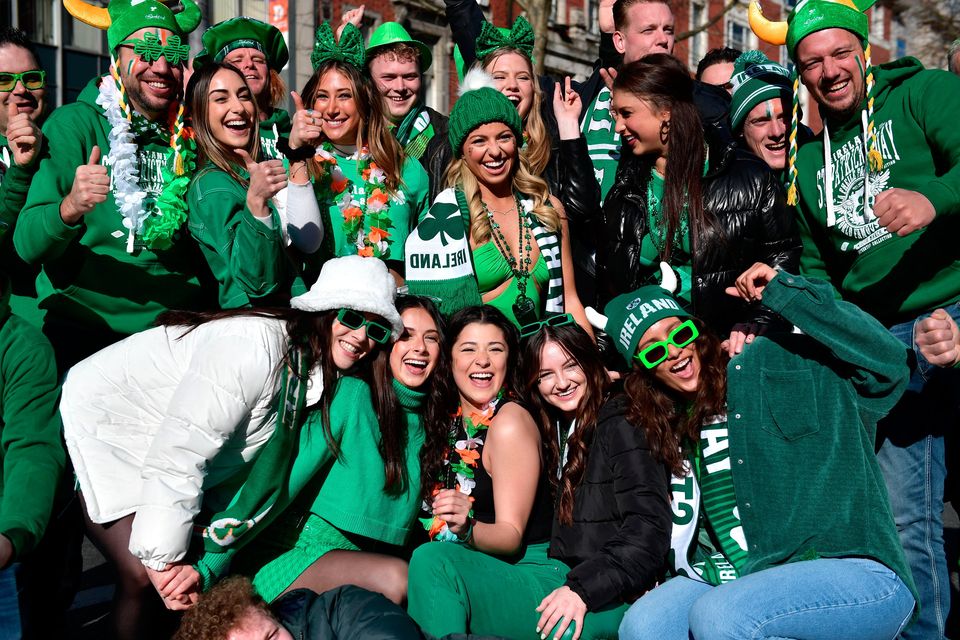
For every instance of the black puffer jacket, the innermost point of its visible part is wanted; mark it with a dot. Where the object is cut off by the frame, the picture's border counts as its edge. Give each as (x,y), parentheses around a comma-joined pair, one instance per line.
(751,223)
(620,534)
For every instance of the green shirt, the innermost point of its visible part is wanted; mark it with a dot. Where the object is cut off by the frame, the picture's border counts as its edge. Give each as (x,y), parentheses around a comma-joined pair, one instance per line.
(653,242)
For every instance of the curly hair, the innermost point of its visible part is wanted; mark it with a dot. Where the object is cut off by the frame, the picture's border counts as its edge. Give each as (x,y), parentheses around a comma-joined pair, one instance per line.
(670,425)
(221,610)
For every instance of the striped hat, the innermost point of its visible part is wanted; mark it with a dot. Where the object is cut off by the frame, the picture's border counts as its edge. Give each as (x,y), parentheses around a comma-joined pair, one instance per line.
(756,80)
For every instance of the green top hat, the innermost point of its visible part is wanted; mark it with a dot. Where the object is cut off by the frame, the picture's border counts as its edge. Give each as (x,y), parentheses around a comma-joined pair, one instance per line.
(390,33)
(243,33)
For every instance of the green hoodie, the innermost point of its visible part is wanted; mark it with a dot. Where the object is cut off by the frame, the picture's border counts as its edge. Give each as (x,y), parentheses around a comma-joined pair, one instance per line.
(894,278)
(88,277)
(31,455)
(278,124)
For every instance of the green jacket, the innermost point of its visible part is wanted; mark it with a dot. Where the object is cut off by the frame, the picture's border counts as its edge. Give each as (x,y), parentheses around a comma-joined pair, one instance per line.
(802,411)
(894,278)
(246,256)
(31,454)
(88,277)
(350,488)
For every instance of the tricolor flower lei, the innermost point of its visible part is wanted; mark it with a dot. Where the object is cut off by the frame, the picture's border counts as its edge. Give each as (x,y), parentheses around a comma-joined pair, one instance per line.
(158,226)
(459,473)
(374,211)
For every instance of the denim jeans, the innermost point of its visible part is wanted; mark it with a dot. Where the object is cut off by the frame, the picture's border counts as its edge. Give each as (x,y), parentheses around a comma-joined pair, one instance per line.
(826,599)
(9,604)
(912,459)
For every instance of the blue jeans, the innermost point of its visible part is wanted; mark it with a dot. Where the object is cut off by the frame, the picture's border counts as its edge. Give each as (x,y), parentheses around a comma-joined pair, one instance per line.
(912,459)
(827,599)
(9,604)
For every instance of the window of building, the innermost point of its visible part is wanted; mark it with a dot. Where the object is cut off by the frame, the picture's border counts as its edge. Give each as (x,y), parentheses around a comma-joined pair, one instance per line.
(221,10)
(876,23)
(738,35)
(901,48)
(698,42)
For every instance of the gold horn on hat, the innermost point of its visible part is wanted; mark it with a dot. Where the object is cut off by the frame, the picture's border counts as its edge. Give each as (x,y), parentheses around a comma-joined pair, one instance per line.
(88,13)
(771,32)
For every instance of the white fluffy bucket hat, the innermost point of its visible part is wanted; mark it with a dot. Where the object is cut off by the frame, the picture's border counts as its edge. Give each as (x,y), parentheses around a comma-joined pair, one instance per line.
(352,282)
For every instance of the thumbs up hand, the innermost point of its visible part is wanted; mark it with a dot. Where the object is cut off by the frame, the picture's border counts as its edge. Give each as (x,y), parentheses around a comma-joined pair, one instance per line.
(23,135)
(266,179)
(91,185)
(305,128)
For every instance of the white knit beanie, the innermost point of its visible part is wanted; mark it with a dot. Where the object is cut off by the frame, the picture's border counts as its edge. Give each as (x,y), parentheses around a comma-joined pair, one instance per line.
(353,282)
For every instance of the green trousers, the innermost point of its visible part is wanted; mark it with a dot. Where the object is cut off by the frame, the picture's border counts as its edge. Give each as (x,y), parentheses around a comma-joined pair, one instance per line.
(454,588)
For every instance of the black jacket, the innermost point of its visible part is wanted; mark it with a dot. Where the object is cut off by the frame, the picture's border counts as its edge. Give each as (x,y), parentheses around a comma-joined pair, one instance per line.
(621,527)
(751,223)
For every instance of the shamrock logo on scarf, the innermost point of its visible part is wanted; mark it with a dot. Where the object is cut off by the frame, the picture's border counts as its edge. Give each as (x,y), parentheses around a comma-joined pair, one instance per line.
(442,219)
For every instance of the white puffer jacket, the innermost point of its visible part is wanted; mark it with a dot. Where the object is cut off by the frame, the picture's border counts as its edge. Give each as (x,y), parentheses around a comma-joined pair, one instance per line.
(157,423)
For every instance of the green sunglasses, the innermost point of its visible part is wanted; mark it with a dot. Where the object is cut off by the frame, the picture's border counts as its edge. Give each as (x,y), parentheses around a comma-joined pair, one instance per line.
(533,328)
(32,80)
(682,335)
(354,320)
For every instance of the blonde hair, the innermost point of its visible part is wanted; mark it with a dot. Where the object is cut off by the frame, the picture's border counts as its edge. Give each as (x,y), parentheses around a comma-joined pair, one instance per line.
(524,183)
(537,150)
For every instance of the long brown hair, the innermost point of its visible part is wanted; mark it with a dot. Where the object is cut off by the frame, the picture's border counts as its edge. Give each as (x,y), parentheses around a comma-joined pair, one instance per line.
(208,147)
(575,342)
(663,82)
(373,131)
(671,425)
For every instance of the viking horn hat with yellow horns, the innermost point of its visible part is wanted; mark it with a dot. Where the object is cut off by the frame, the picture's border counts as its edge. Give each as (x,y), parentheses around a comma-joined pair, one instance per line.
(123,17)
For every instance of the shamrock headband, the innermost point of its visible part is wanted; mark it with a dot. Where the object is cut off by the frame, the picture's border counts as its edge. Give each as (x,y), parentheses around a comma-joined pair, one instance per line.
(520,37)
(123,17)
(349,49)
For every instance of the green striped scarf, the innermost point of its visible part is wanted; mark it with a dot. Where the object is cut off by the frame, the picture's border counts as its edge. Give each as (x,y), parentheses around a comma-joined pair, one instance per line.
(415,131)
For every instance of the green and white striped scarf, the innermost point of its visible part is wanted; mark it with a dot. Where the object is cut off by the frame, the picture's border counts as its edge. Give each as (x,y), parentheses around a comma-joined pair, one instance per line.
(439,262)
(415,131)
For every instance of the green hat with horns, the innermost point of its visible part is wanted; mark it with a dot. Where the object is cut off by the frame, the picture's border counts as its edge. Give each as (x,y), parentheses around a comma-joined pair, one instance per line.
(123,17)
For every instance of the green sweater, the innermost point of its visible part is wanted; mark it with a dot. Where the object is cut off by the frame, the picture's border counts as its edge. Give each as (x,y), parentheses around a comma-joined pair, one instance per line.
(88,277)
(351,492)
(31,454)
(802,412)
(246,256)
(894,278)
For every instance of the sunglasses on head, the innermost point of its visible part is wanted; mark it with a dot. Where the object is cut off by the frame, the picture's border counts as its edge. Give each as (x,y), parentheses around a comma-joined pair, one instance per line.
(682,335)
(32,80)
(563,320)
(354,320)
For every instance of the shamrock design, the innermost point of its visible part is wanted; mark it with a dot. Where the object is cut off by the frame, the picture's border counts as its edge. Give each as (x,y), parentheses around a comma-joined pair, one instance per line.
(150,48)
(443,218)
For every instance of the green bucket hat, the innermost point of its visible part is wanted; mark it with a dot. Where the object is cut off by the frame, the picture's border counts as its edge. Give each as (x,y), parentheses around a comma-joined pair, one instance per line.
(123,17)
(243,33)
(756,80)
(390,33)
(479,104)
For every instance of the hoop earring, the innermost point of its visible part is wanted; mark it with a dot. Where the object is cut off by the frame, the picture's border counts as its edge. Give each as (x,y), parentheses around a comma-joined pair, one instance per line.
(664,131)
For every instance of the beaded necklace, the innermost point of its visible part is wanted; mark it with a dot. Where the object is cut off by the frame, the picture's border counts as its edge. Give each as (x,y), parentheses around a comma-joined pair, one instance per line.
(460,460)
(333,185)
(523,308)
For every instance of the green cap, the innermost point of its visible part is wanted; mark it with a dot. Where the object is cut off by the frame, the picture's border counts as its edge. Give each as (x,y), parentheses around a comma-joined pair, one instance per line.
(810,16)
(629,315)
(390,33)
(479,104)
(756,80)
(243,33)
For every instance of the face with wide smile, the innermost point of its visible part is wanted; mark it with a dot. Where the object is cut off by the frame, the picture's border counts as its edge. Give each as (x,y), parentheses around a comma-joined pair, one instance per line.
(648,29)
(414,356)
(765,132)
(831,64)
(230,110)
(513,77)
(638,123)
(398,81)
(479,361)
(561,381)
(490,153)
(151,86)
(14,59)
(253,65)
(350,346)
(681,370)
(336,101)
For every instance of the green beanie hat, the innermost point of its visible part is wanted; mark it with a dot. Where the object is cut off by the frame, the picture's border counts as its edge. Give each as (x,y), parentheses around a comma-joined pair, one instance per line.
(630,315)
(756,80)
(243,33)
(479,104)
(390,33)
(810,16)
